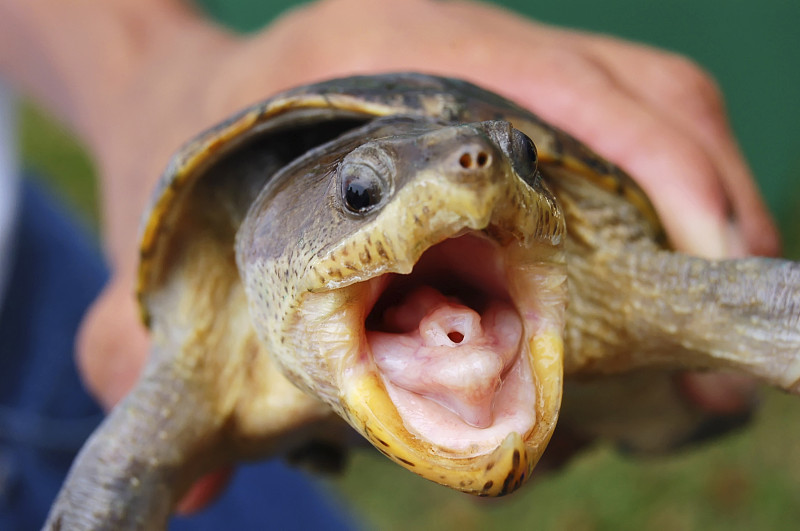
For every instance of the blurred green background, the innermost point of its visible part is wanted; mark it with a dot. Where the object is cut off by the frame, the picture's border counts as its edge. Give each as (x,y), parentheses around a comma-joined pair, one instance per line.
(749,480)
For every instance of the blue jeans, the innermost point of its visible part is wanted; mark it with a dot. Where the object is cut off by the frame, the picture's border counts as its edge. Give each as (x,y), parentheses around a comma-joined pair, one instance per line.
(45,413)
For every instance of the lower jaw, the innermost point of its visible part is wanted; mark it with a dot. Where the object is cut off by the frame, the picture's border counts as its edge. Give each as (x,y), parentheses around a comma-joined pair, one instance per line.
(478,461)
(485,462)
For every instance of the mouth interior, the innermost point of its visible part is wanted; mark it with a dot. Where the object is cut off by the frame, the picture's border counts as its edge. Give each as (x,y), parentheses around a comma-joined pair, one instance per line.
(451,348)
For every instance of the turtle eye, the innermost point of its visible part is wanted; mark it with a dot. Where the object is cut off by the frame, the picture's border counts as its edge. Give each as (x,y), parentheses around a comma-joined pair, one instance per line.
(362,187)
(525,157)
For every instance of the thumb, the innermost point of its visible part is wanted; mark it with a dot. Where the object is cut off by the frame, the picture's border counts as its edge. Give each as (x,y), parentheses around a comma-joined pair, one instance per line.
(112,344)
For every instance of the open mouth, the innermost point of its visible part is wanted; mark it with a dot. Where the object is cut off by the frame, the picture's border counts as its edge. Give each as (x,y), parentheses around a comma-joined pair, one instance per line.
(447,354)
(424,301)
(450,345)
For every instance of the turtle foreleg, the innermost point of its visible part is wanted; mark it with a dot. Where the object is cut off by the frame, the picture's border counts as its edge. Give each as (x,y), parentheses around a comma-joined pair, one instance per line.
(656,307)
(209,395)
(133,469)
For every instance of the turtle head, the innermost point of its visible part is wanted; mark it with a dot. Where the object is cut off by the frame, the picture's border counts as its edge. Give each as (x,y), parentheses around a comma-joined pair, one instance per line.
(411,274)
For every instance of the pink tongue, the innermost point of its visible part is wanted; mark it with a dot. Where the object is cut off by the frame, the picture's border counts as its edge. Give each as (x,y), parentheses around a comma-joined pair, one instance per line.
(450,354)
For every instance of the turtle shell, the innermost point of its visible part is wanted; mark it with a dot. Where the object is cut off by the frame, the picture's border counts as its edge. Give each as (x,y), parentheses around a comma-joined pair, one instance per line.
(277,130)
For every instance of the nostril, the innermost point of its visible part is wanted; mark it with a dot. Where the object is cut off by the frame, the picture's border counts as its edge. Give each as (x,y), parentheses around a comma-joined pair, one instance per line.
(455,337)
(468,162)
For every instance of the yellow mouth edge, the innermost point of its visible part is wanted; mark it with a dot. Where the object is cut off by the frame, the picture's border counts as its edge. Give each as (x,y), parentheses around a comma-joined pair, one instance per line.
(500,472)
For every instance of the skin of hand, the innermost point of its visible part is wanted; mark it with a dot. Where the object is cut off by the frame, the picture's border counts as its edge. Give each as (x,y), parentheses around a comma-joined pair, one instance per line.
(655,114)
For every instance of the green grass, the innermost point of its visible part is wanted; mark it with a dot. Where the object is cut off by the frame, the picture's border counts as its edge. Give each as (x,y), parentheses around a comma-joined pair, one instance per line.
(56,160)
(750,480)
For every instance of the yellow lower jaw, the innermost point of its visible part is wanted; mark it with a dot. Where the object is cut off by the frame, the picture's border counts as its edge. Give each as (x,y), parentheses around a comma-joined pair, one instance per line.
(495,474)
(547,360)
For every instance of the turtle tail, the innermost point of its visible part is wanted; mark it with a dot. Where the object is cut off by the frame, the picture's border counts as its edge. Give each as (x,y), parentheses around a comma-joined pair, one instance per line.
(686,311)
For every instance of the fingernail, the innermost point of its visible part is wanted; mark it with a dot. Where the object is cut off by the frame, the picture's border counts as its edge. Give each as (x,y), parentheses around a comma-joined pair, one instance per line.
(704,236)
(735,242)
(713,238)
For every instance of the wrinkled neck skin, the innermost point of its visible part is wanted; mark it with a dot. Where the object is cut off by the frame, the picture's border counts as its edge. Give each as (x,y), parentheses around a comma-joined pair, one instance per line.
(688,312)
(435,326)
(634,304)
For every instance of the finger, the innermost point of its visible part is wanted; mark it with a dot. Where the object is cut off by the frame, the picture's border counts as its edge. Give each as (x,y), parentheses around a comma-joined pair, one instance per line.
(684,95)
(573,93)
(719,392)
(570,90)
(112,344)
(204,491)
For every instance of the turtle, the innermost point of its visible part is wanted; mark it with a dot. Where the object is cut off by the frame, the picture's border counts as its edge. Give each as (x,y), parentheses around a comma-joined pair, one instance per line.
(427,261)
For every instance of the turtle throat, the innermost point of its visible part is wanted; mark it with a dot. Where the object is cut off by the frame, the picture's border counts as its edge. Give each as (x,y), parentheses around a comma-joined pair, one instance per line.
(450,346)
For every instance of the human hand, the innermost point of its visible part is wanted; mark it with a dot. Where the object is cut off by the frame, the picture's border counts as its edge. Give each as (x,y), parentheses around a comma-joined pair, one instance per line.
(654,113)
(651,112)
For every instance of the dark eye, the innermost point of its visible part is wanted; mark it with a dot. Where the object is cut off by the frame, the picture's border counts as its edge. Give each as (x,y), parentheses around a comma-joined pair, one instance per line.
(362,188)
(525,157)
